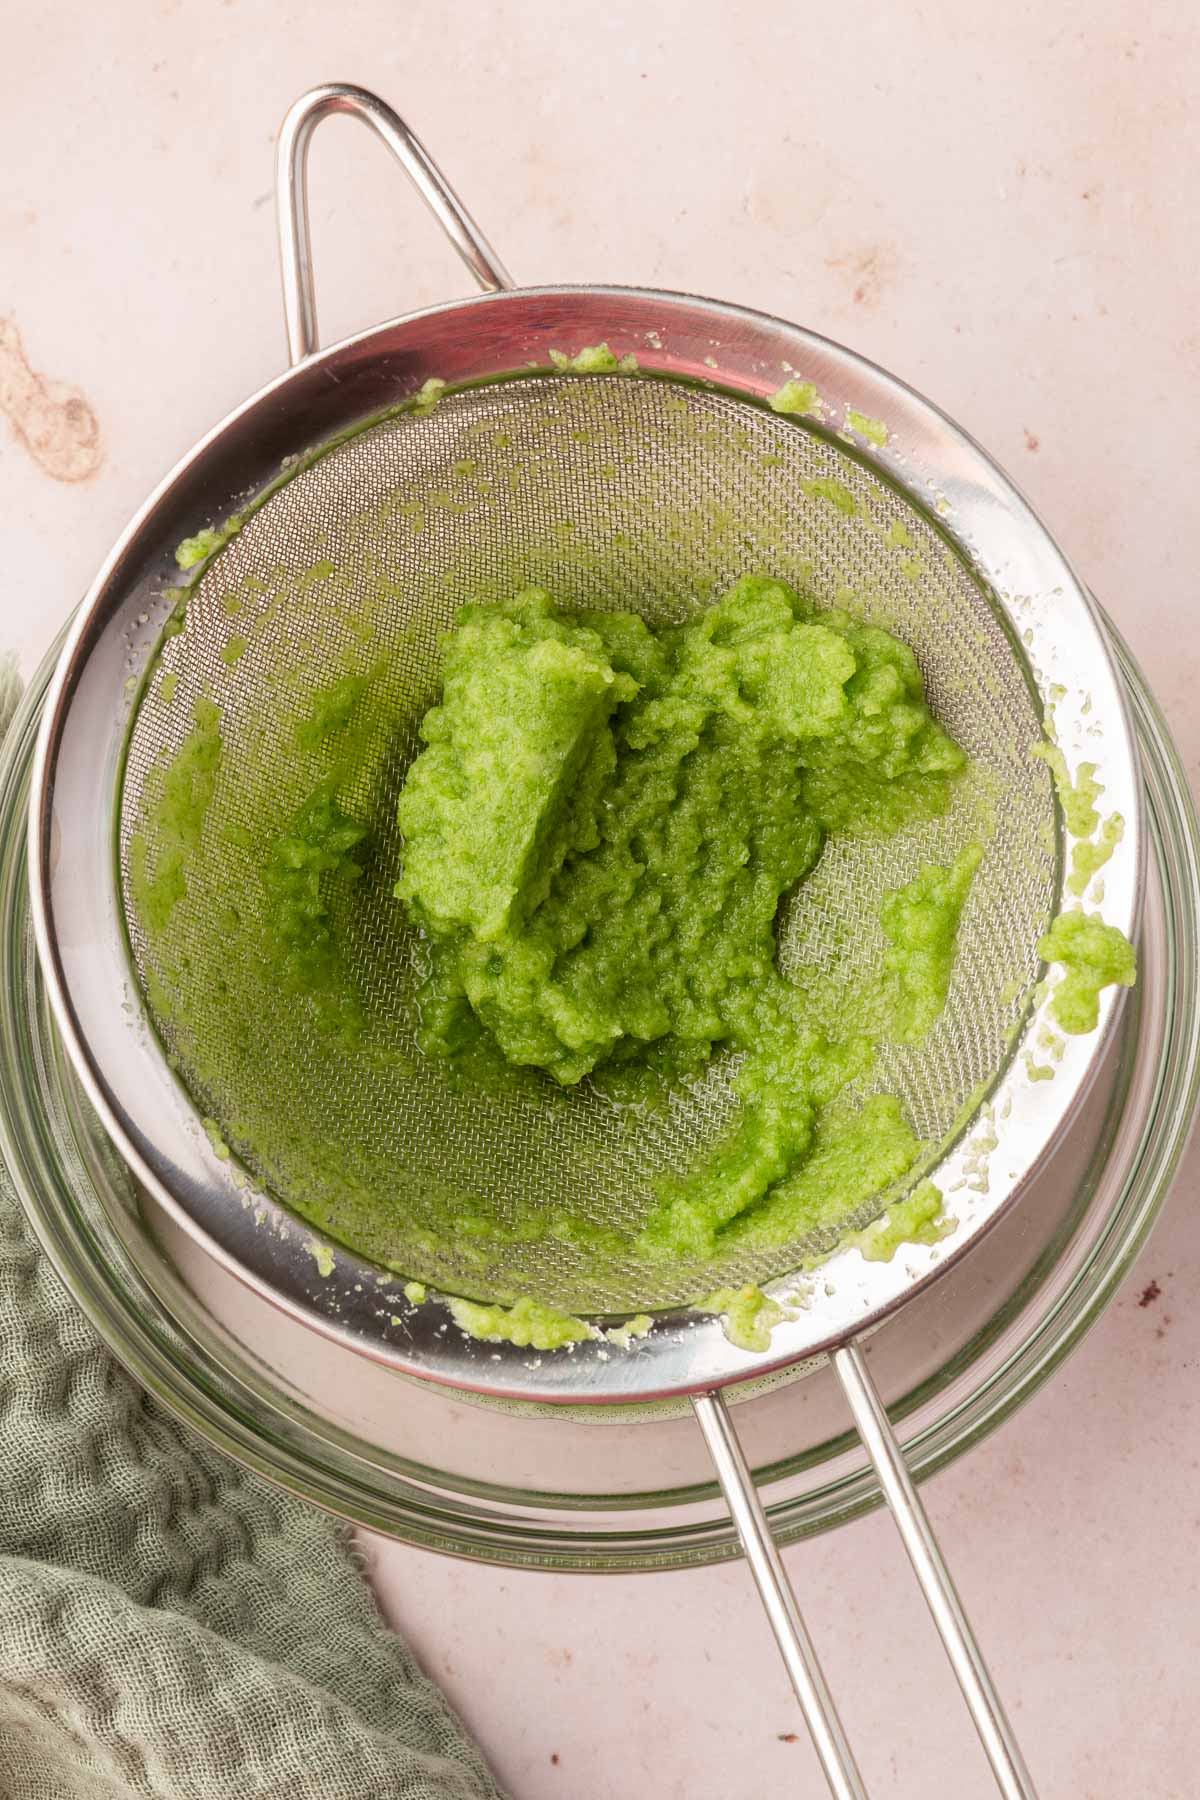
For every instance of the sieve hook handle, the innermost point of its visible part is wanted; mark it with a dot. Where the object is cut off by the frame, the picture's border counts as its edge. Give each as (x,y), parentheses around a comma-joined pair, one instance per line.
(291,201)
(766,1565)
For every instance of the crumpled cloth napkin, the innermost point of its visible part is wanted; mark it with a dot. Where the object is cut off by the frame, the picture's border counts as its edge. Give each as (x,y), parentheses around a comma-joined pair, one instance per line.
(169,1625)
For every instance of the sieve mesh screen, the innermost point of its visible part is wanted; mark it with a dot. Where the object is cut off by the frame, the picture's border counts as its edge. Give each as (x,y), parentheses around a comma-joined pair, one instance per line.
(615,492)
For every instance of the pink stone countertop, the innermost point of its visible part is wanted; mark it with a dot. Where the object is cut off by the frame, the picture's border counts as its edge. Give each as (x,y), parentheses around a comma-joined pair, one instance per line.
(998,202)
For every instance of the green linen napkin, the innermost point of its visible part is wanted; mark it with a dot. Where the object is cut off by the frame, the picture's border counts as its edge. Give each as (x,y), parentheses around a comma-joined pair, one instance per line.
(169,1625)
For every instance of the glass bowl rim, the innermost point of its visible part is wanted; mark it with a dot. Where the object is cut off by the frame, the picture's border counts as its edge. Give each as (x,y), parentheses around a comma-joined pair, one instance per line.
(518,1534)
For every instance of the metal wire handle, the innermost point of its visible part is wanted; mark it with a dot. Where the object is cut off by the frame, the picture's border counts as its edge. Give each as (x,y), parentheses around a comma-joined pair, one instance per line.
(929,1566)
(775,1591)
(912,1521)
(291,201)
(729,1460)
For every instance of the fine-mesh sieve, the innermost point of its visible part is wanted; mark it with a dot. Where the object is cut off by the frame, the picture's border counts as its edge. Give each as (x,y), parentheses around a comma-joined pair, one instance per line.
(617,492)
(648,491)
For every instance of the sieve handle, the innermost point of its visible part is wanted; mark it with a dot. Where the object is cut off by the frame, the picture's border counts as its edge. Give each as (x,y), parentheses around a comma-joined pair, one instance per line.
(912,1521)
(770,1577)
(291,201)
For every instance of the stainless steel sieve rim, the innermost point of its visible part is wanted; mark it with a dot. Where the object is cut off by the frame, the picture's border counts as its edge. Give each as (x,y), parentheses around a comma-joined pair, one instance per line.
(70,911)
(75,906)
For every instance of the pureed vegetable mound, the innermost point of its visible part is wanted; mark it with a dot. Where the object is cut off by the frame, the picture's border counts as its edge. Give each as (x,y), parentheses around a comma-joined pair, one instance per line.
(598,836)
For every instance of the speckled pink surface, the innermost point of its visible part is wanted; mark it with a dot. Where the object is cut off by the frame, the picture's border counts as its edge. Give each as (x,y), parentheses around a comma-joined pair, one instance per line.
(998,202)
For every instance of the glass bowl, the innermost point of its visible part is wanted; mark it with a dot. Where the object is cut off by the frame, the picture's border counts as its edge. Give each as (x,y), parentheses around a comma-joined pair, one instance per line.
(616,1488)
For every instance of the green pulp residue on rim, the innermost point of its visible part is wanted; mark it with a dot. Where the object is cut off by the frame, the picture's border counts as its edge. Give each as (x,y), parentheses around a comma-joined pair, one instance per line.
(206,542)
(1095,838)
(918,1218)
(527,1323)
(593,359)
(874,430)
(598,836)
(799,397)
(749,1316)
(1094,956)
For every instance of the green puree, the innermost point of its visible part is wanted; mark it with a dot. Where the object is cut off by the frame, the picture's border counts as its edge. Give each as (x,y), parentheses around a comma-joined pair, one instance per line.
(177,797)
(528,1324)
(598,836)
(318,847)
(917,1219)
(1095,956)
(920,923)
